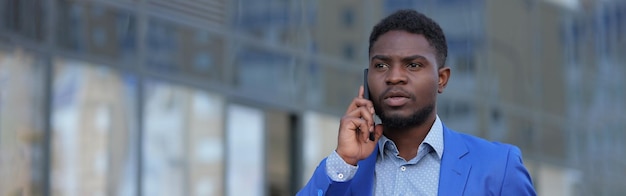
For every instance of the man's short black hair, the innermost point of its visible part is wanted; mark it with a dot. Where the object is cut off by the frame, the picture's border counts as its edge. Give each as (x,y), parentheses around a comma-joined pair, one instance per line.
(417,23)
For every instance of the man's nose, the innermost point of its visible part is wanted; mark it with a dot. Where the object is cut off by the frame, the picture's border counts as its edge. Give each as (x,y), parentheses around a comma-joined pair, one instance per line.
(396,75)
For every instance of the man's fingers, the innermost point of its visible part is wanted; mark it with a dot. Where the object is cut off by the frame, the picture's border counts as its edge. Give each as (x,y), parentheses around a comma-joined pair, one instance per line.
(360,102)
(361,90)
(363,133)
(359,126)
(365,114)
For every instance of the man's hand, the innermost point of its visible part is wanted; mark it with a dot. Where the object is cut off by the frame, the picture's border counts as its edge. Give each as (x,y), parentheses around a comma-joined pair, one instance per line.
(354,130)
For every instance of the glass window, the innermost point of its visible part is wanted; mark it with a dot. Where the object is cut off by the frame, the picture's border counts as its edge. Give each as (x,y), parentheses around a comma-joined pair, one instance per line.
(93,130)
(340,30)
(348,51)
(174,48)
(459,115)
(246,146)
(279,147)
(266,74)
(319,140)
(96,30)
(21,124)
(24,17)
(276,22)
(183,146)
(347,17)
(340,86)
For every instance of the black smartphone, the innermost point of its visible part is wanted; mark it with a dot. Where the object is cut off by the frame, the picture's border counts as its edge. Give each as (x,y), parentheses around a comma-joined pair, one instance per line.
(366,95)
(366,89)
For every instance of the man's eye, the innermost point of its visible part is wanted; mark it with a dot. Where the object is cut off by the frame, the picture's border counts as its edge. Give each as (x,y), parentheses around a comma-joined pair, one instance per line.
(380,65)
(414,65)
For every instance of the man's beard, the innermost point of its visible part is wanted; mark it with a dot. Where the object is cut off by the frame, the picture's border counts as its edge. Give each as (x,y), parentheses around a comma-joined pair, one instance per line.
(397,122)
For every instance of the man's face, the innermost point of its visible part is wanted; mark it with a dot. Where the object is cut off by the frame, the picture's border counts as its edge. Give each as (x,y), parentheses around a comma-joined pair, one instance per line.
(404,79)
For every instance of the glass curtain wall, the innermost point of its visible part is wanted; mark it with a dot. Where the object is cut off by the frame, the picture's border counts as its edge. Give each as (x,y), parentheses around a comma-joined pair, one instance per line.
(94,130)
(21,123)
(183,145)
(152,97)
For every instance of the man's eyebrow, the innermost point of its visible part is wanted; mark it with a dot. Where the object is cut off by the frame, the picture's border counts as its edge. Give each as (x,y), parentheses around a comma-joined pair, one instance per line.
(413,57)
(404,59)
(381,57)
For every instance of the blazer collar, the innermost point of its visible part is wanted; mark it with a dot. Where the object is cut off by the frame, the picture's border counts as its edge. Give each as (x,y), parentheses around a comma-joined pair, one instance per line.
(455,166)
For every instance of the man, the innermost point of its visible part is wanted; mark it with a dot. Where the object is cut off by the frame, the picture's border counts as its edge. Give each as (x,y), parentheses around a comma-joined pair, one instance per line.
(412,152)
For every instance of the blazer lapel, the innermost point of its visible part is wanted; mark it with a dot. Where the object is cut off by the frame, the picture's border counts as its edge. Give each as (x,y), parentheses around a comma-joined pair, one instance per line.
(455,167)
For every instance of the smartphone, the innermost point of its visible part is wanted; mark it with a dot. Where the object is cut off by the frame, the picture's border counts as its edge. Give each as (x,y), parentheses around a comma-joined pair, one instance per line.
(366,95)
(366,89)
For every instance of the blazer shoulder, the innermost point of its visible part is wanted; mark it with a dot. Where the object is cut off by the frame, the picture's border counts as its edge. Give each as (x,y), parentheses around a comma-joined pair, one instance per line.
(487,150)
(498,166)
(490,155)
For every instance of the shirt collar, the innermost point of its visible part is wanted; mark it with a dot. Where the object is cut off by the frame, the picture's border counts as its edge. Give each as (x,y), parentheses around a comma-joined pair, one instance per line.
(434,138)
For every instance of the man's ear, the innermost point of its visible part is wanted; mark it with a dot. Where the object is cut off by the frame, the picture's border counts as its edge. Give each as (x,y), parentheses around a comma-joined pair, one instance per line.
(444,75)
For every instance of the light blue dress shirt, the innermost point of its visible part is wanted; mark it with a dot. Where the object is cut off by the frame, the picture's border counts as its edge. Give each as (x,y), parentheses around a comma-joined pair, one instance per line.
(394,175)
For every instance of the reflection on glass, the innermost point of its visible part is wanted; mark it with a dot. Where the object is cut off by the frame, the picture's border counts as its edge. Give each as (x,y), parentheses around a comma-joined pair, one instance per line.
(21,120)
(93,136)
(176,48)
(266,74)
(24,17)
(97,30)
(278,152)
(340,85)
(289,21)
(183,141)
(320,139)
(245,147)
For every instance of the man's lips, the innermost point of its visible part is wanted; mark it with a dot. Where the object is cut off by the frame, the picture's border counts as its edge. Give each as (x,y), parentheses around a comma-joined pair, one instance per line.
(396,101)
(395,98)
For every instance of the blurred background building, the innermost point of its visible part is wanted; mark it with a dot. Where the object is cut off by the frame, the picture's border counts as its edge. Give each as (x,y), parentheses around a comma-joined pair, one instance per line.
(243,97)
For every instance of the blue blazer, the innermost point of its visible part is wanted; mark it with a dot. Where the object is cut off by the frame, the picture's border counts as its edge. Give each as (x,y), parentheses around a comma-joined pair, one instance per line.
(469,166)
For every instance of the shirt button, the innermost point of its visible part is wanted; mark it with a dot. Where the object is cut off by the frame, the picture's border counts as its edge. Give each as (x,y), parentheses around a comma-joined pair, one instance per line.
(340,176)
(403,168)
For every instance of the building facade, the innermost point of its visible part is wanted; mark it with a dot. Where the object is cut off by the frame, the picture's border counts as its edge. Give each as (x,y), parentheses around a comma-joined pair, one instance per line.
(155,97)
